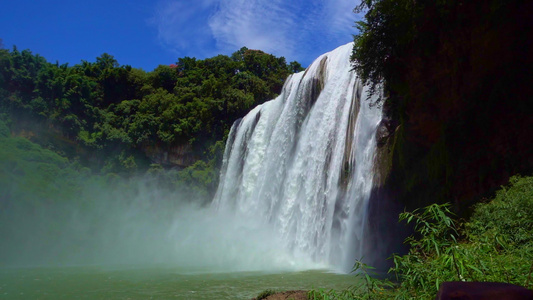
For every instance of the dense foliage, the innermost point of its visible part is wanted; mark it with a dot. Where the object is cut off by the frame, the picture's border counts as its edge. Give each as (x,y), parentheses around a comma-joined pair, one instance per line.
(109,114)
(385,32)
(495,244)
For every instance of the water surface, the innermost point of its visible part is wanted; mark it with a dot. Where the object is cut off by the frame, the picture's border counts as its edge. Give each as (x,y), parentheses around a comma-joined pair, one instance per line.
(156,282)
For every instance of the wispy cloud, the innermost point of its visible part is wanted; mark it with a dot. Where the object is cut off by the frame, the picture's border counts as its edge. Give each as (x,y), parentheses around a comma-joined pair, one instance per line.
(299,29)
(182,26)
(255,24)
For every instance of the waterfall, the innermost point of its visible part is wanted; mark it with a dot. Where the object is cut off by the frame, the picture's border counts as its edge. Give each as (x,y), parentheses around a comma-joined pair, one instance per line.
(303,163)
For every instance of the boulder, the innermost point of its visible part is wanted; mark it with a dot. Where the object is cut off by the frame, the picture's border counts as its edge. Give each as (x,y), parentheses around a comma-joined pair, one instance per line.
(458,290)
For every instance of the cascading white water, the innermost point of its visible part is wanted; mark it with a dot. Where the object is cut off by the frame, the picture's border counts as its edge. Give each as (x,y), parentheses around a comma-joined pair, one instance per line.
(302,163)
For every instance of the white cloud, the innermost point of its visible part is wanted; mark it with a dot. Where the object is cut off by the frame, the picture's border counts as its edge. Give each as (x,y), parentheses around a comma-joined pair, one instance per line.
(340,15)
(299,29)
(255,24)
(182,26)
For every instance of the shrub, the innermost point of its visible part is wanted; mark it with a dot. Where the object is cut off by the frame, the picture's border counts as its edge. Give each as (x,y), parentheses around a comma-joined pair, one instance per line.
(509,216)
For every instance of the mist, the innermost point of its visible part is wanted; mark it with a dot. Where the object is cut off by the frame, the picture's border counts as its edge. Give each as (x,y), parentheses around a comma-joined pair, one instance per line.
(124,222)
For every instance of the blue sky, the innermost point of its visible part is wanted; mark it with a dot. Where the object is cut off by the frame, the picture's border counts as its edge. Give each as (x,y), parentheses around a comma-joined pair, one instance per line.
(144,34)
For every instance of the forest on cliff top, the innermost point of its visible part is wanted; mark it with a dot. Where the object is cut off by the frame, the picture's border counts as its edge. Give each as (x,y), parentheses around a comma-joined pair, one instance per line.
(113,118)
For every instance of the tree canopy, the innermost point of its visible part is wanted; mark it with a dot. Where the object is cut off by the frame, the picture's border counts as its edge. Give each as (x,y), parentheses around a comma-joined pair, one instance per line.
(116,110)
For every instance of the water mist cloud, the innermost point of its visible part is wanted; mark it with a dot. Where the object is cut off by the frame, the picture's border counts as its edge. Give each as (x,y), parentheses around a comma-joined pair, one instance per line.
(135,222)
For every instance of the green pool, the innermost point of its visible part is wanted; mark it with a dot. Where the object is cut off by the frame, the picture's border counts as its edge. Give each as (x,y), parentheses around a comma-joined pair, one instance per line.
(155,282)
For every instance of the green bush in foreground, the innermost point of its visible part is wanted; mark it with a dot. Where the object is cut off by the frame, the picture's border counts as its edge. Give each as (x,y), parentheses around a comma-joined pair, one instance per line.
(496,244)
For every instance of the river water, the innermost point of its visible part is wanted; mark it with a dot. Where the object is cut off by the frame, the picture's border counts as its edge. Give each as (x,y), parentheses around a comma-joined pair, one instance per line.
(156,282)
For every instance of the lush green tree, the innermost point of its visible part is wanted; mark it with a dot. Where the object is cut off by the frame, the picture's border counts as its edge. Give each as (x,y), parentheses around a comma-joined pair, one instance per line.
(295,67)
(384,35)
(164,77)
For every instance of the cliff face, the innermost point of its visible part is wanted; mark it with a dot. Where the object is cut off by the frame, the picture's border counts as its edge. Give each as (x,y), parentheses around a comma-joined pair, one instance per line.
(465,122)
(459,115)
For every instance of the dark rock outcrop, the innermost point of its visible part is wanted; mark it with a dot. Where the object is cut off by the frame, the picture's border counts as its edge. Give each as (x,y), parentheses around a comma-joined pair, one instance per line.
(482,290)
(180,155)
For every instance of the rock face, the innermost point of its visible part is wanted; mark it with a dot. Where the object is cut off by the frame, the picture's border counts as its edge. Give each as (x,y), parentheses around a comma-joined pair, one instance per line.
(179,155)
(384,233)
(461,124)
(459,117)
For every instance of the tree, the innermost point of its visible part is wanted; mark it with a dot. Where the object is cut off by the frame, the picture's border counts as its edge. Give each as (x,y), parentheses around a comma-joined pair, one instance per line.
(384,35)
(295,67)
